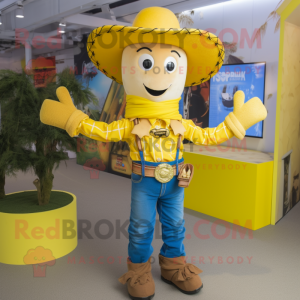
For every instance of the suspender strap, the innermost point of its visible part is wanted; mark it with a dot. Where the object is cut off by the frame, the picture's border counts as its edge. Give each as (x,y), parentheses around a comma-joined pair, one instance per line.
(139,145)
(177,152)
(179,141)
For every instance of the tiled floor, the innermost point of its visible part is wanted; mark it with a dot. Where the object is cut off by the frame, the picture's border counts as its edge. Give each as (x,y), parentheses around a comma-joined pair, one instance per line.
(266,266)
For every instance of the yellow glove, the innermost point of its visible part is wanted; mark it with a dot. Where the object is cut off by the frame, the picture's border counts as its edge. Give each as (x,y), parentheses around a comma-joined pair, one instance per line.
(244,115)
(62,114)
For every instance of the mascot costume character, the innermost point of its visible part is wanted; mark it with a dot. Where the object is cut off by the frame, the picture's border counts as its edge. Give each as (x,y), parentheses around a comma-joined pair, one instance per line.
(155,59)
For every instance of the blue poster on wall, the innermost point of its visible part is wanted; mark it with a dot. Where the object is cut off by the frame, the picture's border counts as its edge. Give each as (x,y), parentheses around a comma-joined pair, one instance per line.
(250,78)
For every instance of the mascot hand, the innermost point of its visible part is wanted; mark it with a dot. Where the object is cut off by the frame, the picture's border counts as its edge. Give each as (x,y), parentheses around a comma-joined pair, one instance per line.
(62,114)
(245,115)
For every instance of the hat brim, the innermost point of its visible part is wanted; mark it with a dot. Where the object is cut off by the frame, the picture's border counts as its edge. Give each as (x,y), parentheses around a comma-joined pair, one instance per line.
(205,52)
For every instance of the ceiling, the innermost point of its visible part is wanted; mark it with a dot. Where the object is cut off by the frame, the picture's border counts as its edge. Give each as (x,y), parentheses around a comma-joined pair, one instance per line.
(43,16)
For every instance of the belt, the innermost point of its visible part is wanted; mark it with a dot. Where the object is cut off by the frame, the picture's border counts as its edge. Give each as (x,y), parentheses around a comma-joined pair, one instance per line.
(150,170)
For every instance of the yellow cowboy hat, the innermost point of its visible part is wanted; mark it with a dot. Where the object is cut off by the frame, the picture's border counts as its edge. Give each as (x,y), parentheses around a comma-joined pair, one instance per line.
(205,52)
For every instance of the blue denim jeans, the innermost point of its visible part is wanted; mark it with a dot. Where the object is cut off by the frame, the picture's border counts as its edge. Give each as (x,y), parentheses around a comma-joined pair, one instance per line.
(148,194)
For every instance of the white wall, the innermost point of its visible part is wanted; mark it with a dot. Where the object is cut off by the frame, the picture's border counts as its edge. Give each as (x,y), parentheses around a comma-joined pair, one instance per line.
(248,15)
(12,60)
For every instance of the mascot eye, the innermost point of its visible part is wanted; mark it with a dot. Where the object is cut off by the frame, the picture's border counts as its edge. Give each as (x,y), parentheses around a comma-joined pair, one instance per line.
(146,62)
(170,64)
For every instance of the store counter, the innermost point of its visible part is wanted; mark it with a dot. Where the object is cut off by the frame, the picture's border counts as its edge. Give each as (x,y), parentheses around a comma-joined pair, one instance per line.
(231,184)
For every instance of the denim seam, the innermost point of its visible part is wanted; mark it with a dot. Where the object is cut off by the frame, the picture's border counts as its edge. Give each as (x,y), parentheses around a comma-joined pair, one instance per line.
(137,181)
(165,188)
(161,212)
(161,190)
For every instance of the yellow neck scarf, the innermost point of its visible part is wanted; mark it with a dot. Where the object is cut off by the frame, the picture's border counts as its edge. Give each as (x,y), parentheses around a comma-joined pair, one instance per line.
(138,107)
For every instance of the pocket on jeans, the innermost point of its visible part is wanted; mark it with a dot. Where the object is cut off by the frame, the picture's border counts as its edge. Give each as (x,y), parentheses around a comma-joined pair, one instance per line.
(135,178)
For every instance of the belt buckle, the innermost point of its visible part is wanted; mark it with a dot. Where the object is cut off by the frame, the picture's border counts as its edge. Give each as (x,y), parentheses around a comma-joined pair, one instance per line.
(164,173)
(160,133)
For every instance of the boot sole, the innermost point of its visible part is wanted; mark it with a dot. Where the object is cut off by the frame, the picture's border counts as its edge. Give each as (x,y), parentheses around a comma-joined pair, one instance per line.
(141,298)
(182,291)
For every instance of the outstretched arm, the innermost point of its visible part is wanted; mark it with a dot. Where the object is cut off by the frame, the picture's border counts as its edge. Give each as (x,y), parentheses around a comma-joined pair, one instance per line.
(101,131)
(64,115)
(206,136)
(236,123)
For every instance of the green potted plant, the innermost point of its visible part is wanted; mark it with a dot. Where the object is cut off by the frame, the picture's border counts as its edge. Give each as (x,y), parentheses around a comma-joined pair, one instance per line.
(35,218)
(11,158)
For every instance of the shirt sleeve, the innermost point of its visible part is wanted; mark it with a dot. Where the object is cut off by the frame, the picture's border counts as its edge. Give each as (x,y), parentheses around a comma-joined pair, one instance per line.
(206,136)
(101,131)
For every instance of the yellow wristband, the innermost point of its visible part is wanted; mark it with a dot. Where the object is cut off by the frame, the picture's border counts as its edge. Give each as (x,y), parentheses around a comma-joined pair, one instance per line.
(76,117)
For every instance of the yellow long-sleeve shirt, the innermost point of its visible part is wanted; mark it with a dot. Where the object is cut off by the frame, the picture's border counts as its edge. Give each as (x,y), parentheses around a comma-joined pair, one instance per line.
(155,149)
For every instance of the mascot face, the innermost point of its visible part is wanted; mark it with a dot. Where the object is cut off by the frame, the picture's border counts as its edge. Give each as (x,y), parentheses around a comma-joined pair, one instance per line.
(156,72)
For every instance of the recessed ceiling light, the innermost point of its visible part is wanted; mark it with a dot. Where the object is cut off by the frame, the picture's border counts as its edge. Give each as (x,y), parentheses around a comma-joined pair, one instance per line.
(62,24)
(61,30)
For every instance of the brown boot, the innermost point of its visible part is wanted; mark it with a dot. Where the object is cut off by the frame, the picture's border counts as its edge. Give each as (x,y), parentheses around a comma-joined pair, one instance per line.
(182,275)
(139,280)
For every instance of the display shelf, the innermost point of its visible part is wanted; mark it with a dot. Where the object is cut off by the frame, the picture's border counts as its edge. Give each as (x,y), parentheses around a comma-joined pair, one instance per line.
(245,155)
(231,184)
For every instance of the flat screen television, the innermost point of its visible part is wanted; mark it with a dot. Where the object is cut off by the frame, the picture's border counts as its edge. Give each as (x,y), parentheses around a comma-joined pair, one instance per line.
(248,77)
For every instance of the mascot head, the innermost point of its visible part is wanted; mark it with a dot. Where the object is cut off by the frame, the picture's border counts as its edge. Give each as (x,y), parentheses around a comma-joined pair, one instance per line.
(155,58)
